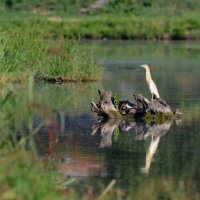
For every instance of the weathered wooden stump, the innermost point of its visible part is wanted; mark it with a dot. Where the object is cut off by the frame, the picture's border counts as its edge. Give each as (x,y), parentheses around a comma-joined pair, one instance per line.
(109,107)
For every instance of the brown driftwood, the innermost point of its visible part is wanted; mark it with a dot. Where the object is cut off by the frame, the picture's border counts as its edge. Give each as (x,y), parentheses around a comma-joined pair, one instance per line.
(109,107)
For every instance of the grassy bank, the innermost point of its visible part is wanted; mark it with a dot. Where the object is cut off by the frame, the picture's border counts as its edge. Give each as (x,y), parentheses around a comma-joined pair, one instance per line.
(124,19)
(109,26)
(130,27)
(49,59)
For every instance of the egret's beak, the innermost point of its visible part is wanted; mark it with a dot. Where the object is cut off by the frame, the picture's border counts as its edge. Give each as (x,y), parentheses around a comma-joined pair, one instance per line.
(141,65)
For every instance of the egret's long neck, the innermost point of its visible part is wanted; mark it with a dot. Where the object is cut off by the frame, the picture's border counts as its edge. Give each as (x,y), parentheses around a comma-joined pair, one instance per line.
(148,75)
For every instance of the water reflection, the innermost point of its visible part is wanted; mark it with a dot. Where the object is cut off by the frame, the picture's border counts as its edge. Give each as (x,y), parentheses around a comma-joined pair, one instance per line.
(176,69)
(141,129)
(115,149)
(65,141)
(108,129)
(77,144)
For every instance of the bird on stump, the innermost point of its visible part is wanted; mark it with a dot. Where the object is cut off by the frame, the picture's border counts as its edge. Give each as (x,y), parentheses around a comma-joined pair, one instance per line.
(150,83)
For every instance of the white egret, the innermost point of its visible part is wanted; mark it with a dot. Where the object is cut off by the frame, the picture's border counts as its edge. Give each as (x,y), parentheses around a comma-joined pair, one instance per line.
(150,82)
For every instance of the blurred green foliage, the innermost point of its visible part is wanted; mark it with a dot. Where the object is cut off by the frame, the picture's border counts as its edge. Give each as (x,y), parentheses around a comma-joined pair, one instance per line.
(24,178)
(69,6)
(73,6)
(124,19)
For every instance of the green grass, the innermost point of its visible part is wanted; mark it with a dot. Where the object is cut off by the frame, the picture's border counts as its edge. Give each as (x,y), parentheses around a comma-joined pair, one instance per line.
(144,19)
(46,57)
(149,20)
(47,48)
(133,27)
(125,26)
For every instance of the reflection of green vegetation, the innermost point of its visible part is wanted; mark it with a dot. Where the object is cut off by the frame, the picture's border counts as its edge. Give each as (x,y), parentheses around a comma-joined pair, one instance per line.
(173,174)
(20,170)
(20,107)
(73,97)
(22,175)
(170,62)
(133,50)
(116,134)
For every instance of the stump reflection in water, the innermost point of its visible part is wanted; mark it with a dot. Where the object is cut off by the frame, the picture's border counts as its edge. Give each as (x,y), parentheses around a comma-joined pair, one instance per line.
(107,129)
(79,151)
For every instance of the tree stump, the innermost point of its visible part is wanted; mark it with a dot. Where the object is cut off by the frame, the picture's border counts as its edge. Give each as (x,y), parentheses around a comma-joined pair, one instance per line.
(110,107)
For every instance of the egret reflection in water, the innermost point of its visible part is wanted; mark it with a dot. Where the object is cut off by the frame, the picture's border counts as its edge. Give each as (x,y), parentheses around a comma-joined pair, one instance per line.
(76,142)
(142,131)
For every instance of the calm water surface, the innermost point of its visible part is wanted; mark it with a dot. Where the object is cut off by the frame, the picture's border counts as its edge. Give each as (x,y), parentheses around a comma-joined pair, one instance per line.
(142,158)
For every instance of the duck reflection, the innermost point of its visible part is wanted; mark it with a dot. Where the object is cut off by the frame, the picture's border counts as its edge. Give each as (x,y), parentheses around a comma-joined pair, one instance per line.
(142,131)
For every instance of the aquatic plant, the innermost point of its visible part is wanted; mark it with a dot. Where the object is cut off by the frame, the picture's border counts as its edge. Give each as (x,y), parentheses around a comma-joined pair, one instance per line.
(116,101)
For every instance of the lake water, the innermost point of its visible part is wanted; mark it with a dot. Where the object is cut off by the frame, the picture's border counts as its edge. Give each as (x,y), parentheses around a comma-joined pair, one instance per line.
(148,161)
